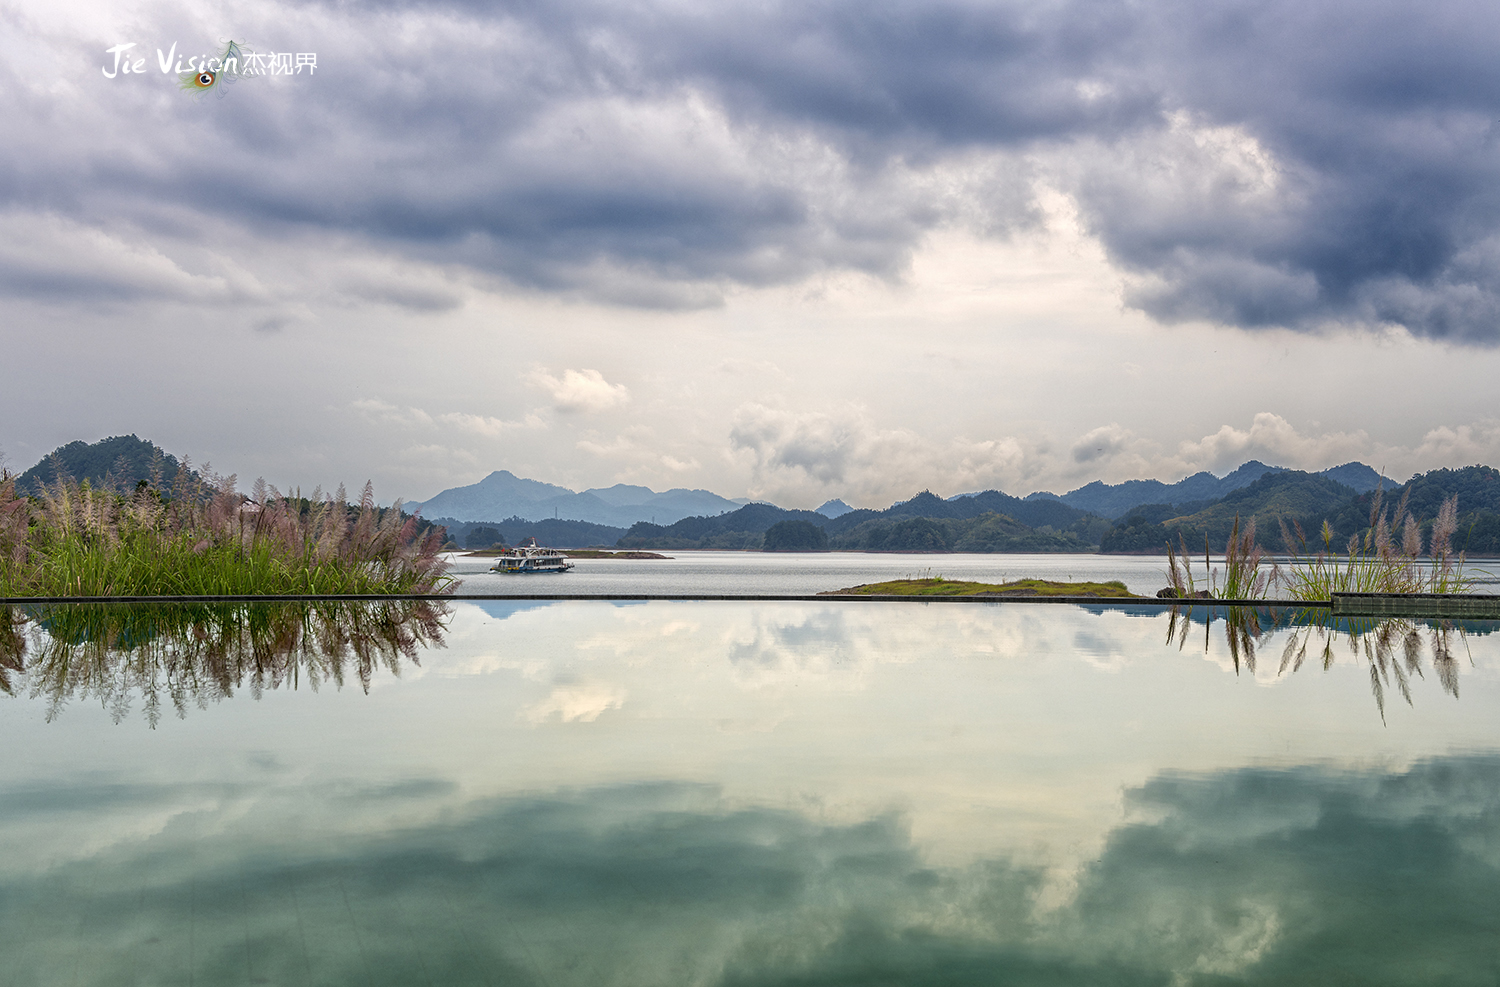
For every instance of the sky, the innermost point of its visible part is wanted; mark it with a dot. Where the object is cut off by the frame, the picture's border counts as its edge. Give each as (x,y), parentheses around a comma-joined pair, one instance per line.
(789,251)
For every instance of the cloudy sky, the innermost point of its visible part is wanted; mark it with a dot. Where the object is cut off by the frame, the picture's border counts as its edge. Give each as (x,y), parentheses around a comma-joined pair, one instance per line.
(781,250)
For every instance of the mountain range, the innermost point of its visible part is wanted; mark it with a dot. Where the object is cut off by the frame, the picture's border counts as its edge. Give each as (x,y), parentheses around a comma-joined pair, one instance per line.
(994,522)
(1131,517)
(1112,500)
(503,495)
(985,522)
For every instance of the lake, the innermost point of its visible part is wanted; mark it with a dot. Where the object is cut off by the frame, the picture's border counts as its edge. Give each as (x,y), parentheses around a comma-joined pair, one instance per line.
(797,574)
(580,793)
(794,574)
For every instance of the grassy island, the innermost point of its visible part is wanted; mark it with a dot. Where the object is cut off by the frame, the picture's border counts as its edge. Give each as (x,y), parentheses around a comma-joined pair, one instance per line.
(573,553)
(939,586)
(203,538)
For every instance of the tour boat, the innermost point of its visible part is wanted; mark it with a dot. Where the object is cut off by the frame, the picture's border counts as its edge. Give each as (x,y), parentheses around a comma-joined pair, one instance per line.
(531,557)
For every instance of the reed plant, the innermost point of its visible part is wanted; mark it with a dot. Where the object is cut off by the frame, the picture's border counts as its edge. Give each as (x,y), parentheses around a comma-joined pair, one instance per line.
(202,537)
(1244,576)
(1389,558)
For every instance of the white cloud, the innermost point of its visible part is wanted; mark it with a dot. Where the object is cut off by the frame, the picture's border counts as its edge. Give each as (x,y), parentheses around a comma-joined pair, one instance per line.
(1462,445)
(801,457)
(1104,442)
(581,390)
(385,413)
(576,702)
(486,425)
(1276,442)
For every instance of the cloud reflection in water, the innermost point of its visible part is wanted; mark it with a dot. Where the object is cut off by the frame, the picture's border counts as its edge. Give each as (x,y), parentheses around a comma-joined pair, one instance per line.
(905,794)
(1255,876)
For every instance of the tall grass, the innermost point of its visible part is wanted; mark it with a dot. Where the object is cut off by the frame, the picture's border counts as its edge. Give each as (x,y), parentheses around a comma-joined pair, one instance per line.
(203,537)
(1388,559)
(1243,576)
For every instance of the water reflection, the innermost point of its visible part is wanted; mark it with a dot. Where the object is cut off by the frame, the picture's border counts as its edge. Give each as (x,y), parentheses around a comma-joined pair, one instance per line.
(179,655)
(1394,649)
(1245,876)
(721,793)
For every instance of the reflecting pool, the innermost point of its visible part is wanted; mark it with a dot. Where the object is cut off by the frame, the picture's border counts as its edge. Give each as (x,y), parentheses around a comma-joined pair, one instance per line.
(738,793)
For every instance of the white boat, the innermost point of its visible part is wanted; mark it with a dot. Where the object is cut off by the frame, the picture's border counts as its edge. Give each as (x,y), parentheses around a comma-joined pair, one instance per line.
(531,557)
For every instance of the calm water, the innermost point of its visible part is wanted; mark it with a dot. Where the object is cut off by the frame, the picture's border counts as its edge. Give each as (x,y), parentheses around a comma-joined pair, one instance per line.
(733,793)
(787,574)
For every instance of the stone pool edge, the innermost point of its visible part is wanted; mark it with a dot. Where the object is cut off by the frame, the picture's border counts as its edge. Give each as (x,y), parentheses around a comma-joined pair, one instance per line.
(680,597)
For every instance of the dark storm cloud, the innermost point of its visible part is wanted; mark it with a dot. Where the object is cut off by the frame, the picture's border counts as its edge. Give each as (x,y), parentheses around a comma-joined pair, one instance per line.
(1257,163)
(1382,121)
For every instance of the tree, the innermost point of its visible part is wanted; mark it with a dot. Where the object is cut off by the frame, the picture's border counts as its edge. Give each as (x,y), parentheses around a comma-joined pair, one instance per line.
(483,536)
(916,534)
(795,536)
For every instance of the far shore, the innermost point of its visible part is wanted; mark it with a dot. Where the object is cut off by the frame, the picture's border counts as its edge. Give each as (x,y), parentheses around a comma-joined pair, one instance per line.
(572,553)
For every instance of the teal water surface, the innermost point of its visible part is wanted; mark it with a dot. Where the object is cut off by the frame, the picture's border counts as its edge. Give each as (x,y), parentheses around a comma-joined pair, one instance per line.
(736,793)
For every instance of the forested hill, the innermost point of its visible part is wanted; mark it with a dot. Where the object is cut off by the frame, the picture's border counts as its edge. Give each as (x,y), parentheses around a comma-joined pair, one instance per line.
(1291,495)
(995,522)
(744,528)
(1308,500)
(1113,500)
(556,533)
(1032,513)
(127,459)
(1478,491)
(979,522)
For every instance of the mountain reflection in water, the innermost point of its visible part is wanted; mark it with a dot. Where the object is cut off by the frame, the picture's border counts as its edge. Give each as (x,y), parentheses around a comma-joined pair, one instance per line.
(191,654)
(1252,876)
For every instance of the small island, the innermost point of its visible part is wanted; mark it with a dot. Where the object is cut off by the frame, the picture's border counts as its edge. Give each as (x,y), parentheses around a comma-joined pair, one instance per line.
(1114,589)
(573,553)
(599,553)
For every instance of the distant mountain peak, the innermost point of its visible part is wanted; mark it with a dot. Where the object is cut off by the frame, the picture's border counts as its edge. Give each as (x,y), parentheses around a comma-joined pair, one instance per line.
(926,500)
(834,508)
(1359,476)
(502,495)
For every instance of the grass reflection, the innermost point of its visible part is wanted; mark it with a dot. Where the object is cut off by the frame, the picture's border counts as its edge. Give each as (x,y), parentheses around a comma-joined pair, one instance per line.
(177,655)
(1394,649)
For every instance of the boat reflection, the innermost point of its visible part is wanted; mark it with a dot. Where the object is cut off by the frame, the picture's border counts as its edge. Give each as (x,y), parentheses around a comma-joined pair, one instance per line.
(1393,648)
(191,654)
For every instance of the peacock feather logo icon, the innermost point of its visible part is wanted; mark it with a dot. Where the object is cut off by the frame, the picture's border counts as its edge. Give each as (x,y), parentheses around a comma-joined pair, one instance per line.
(217,73)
